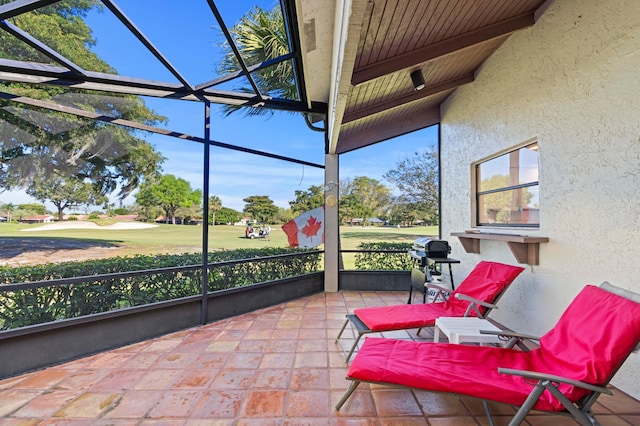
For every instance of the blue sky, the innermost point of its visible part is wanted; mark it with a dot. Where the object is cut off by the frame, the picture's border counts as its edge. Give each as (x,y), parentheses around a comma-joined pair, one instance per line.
(189,38)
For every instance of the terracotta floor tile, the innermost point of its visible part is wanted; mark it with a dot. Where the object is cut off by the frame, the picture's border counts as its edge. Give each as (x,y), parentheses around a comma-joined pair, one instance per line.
(395,402)
(176,403)
(89,405)
(408,421)
(264,404)
(312,346)
(223,346)
(143,360)
(258,334)
(46,404)
(210,359)
(310,378)
(311,359)
(118,380)
(233,379)
(440,404)
(199,378)
(271,379)
(43,379)
(285,334)
(282,346)
(14,399)
(82,379)
(158,380)
(176,360)
(242,360)
(360,404)
(134,404)
(231,334)
(111,360)
(308,403)
(278,360)
(248,345)
(219,403)
(163,345)
(454,421)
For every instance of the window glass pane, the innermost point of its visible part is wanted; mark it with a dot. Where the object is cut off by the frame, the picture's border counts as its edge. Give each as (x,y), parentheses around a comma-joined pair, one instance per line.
(518,206)
(514,168)
(528,169)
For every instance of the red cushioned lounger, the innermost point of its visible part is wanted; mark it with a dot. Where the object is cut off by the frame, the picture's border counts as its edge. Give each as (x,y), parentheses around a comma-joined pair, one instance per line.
(572,365)
(475,296)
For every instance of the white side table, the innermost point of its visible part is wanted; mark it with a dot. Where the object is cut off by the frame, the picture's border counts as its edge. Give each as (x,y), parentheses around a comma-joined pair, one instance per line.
(465,330)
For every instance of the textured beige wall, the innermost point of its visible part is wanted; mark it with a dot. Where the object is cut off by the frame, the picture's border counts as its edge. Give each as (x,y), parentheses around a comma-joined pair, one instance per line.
(573,82)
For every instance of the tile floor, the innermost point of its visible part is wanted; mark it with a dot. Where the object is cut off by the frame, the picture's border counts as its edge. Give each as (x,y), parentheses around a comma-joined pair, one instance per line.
(276,366)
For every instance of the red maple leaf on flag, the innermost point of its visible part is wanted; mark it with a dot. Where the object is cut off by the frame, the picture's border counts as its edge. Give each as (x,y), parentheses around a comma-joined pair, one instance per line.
(312,227)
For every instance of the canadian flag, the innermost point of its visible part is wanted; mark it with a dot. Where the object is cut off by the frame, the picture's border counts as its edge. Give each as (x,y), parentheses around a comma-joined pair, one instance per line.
(306,230)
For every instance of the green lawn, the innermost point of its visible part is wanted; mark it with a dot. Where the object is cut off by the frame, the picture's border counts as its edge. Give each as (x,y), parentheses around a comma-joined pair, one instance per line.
(179,238)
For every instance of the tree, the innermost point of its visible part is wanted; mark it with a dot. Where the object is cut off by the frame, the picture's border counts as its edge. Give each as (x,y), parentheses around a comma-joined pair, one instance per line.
(227,215)
(260,208)
(215,204)
(36,144)
(307,200)
(65,193)
(9,208)
(33,207)
(170,193)
(364,197)
(416,179)
(261,35)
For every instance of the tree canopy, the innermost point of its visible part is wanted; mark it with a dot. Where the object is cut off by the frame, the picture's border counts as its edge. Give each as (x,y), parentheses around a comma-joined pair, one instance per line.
(260,208)
(307,200)
(261,35)
(416,179)
(363,197)
(170,193)
(37,144)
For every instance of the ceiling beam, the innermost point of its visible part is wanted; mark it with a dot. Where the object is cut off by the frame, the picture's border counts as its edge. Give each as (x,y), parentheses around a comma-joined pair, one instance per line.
(442,48)
(413,96)
(387,130)
(35,73)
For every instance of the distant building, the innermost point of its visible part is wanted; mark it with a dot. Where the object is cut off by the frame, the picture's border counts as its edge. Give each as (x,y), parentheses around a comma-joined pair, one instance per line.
(42,218)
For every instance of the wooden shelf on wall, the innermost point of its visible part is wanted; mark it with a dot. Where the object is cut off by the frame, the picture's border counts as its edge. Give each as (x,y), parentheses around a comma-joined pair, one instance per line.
(525,249)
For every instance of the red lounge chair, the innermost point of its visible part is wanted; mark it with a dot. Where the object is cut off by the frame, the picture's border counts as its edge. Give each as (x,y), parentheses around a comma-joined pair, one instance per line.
(475,296)
(566,373)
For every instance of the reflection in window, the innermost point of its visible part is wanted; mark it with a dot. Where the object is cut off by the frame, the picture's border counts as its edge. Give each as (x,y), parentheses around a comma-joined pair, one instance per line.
(507,191)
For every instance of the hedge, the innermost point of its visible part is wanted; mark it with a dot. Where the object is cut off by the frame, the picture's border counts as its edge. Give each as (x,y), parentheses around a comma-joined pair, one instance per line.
(152,283)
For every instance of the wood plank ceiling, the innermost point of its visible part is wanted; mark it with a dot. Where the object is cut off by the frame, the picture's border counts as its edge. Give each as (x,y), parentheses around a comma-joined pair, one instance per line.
(447,40)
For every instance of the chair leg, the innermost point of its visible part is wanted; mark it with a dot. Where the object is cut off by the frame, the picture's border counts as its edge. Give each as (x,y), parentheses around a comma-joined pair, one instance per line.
(353,348)
(342,329)
(487,412)
(528,405)
(347,394)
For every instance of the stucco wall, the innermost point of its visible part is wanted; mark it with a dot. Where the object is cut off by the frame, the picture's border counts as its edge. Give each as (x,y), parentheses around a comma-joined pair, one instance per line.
(572,82)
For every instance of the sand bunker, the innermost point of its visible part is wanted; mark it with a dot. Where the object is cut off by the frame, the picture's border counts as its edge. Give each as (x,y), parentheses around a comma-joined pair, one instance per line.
(90,225)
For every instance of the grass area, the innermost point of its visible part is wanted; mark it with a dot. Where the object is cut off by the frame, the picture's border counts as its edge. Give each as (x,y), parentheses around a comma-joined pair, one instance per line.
(181,239)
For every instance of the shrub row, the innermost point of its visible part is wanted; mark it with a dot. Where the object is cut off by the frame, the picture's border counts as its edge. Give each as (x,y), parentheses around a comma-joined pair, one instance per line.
(380,259)
(229,269)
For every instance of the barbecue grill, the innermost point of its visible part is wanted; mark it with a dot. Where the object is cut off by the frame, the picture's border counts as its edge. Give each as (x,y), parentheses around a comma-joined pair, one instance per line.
(425,247)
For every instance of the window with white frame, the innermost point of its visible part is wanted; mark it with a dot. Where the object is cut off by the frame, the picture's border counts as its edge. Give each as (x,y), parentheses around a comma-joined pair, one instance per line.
(506,189)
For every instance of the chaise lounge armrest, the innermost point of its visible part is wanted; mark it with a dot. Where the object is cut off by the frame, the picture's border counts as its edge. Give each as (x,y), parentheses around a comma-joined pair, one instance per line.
(552,378)
(440,291)
(476,301)
(512,338)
